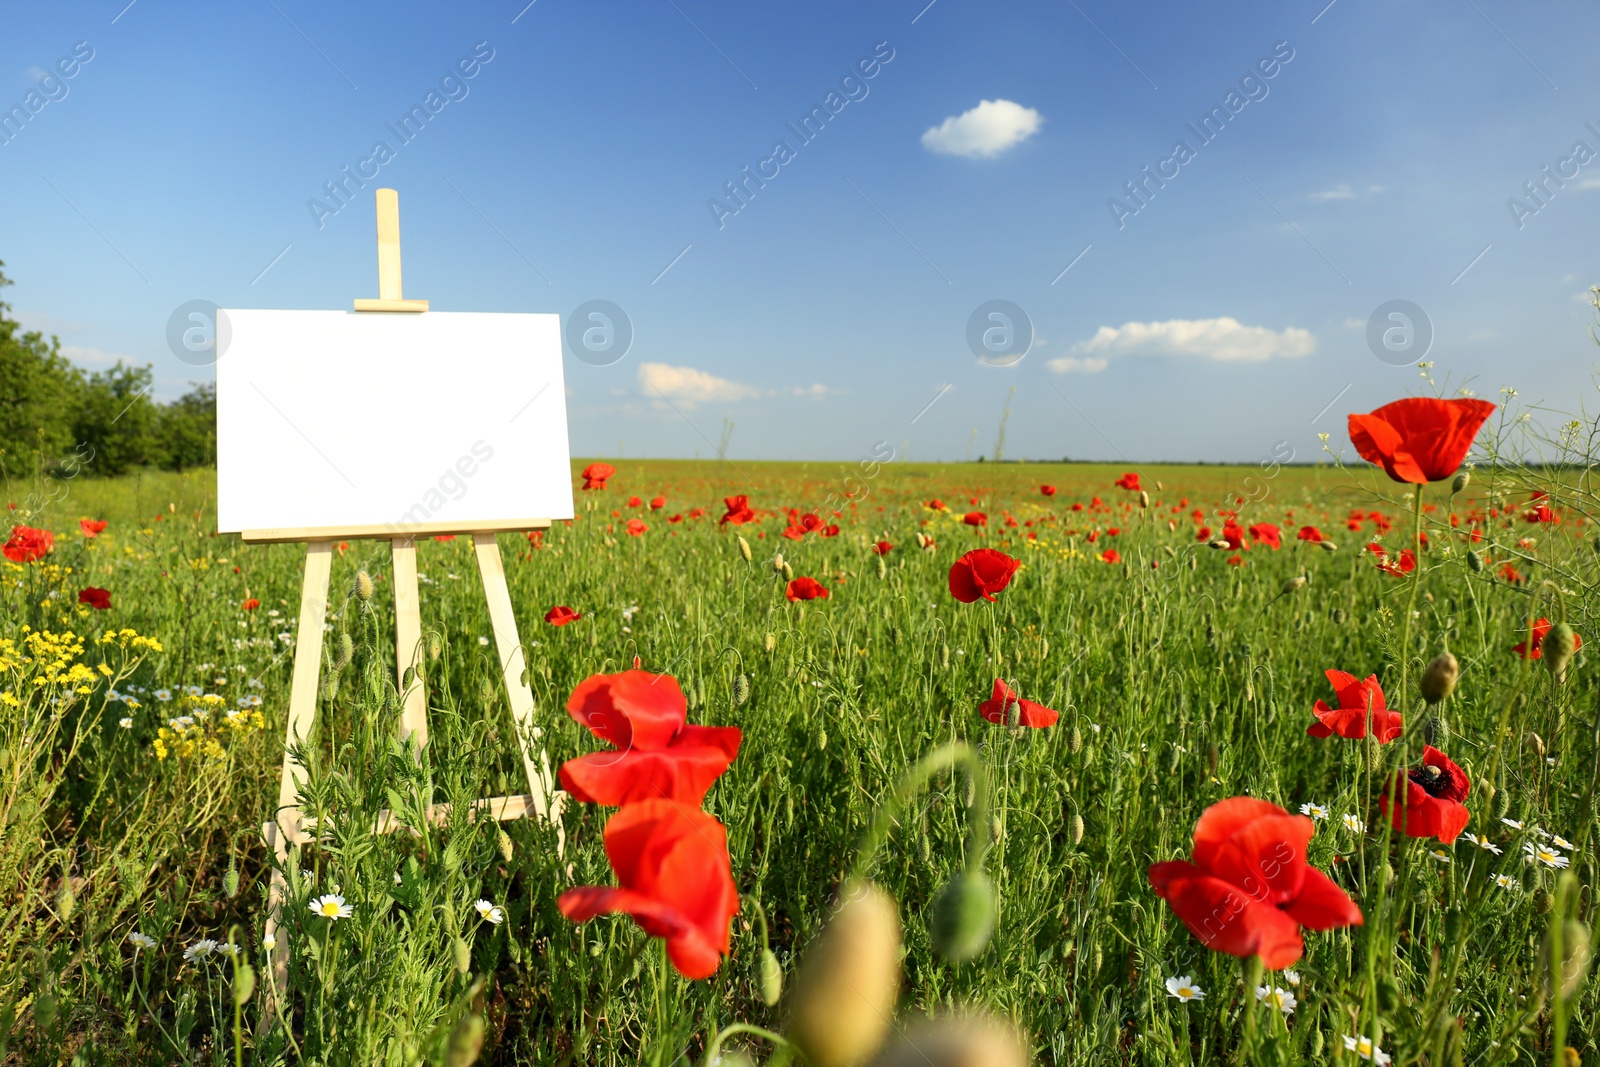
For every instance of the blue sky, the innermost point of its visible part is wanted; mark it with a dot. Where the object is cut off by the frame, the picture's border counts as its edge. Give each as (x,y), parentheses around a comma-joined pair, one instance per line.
(576,164)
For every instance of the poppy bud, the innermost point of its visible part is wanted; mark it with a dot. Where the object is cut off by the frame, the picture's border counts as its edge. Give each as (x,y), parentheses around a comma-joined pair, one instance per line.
(770,642)
(434,646)
(244,983)
(466,1041)
(741,691)
(1044,647)
(956,1042)
(1144,499)
(1013,715)
(771,978)
(1075,741)
(883,568)
(744,548)
(1295,584)
(347,649)
(363,585)
(230,878)
(1536,743)
(67,902)
(1502,804)
(1218,542)
(1339,616)
(1462,480)
(777,563)
(1077,828)
(845,990)
(1213,757)
(1374,754)
(1474,561)
(788,573)
(822,739)
(1542,902)
(463,954)
(408,677)
(944,656)
(963,916)
(1567,972)
(1388,992)
(1439,678)
(1316,1044)
(1557,649)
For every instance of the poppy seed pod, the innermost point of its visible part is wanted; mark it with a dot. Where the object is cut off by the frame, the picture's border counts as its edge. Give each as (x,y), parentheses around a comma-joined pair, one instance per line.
(788,573)
(1075,741)
(963,916)
(1474,561)
(1439,677)
(956,1041)
(503,842)
(1557,649)
(771,978)
(463,955)
(744,549)
(844,994)
(363,585)
(1077,828)
(1144,499)
(1218,542)
(347,649)
(1462,480)
(777,563)
(741,691)
(1295,584)
(1327,546)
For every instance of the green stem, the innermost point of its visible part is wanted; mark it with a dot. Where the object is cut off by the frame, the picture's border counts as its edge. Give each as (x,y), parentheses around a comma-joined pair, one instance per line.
(715,1047)
(944,758)
(1411,602)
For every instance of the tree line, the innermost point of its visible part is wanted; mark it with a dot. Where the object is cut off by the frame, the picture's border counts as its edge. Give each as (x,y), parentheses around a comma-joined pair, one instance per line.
(49,408)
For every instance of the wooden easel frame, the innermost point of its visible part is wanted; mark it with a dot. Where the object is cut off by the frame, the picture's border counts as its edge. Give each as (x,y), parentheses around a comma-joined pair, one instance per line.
(288,827)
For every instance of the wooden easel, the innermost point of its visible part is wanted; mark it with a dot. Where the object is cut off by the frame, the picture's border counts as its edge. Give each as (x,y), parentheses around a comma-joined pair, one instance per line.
(541,799)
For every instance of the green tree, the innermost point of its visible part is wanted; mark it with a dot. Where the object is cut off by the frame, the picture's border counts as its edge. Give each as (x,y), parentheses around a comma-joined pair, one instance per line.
(187,429)
(116,417)
(38,389)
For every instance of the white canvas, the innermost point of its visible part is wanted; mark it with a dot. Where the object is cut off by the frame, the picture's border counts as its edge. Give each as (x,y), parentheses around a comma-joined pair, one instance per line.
(343,418)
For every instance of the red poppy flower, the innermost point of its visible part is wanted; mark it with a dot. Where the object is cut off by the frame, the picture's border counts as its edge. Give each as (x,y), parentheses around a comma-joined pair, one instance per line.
(935,505)
(1419,439)
(674,879)
(998,708)
(250,605)
(1047,490)
(91,527)
(657,503)
(1267,534)
(634,502)
(975,518)
(981,573)
(1248,890)
(1111,555)
(883,548)
(1430,798)
(657,754)
(1399,566)
(830,530)
(806,589)
(99,599)
(1533,647)
(794,533)
(1359,702)
(738,512)
(595,475)
(1233,533)
(444,537)
(1129,481)
(536,538)
(28,545)
(1310,533)
(560,615)
(636,527)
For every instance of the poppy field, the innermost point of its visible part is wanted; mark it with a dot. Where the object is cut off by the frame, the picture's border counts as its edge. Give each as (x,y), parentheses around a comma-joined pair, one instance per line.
(916,763)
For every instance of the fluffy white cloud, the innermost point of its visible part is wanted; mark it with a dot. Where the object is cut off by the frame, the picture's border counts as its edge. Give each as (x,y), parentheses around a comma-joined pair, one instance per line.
(689,385)
(1225,339)
(1343,191)
(984,132)
(1076,365)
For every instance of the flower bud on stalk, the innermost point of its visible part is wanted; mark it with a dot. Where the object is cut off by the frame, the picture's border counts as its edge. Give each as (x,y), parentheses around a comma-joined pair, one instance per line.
(1474,561)
(777,563)
(741,691)
(845,990)
(1144,499)
(363,585)
(771,978)
(1566,973)
(788,572)
(1462,480)
(770,642)
(1295,584)
(1557,650)
(744,549)
(1077,828)
(1327,546)
(1439,678)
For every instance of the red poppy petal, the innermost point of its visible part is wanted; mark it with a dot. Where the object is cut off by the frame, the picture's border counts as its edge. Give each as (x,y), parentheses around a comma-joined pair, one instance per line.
(690,951)
(1225,919)
(1322,905)
(962,587)
(1222,820)
(683,771)
(1266,858)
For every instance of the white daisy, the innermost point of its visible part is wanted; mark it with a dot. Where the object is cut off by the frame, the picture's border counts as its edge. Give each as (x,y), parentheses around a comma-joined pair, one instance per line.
(163,695)
(332,906)
(1281,999)
(200,949)
(1561,842)
(141,941)
(1546,856)
(1439,854)
(1362,1046)
(1354,824)
(1292,977)
(1514,824)
(1484,843)
(489,913)
(229,949)
(1181,988)
(1316,811)
(125,722)
(1505,881)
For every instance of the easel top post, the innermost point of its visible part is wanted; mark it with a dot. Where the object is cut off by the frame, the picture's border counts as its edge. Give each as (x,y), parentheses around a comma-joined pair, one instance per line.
(390,296)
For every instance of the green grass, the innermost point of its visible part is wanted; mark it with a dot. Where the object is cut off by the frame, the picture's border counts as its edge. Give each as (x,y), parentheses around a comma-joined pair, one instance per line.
(1178,686)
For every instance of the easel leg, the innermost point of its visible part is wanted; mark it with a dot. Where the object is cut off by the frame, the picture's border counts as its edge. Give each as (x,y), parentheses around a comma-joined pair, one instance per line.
(512,663)
(408,635)
(302,712)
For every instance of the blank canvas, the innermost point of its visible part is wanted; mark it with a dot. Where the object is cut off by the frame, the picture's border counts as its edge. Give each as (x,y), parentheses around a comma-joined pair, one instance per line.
(330,419)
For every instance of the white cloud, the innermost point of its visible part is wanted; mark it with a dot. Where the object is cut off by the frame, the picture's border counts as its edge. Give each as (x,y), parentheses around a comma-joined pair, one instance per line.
(1589,183)
(810,392)
(1342,191)
(1075,365)
(984,132)
(95,357)
(1223,339)
(689,385)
